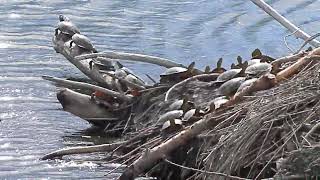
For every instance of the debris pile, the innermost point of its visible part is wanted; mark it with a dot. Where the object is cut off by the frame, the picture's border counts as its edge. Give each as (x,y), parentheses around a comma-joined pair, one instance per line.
(255,120)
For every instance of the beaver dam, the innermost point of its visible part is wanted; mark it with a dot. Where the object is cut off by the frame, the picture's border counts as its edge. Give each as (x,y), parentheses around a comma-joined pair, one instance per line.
(258,119)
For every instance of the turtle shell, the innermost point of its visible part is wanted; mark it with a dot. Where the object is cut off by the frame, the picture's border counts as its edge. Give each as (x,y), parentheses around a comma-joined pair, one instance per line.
(176,105)
(246,83)
(67,27)
(258,69)
(174,124)
(133,79)
(230,87)
(253,61)
(227,75)
(83,42)
(170,115)
(188,115)
(174,70)
(219,101)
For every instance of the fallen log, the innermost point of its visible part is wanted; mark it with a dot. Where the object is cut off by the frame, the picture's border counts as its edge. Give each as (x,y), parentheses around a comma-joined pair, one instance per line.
(82,106)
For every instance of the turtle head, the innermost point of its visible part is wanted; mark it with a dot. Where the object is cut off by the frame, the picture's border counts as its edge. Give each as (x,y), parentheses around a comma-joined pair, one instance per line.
(207,70)
(256,54)
(56,31)
(239,59)
(71,42)
(90,65)
(219,63)
(63,18)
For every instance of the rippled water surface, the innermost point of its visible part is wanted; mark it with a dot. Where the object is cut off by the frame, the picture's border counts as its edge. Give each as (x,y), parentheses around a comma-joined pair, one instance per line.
(32,122)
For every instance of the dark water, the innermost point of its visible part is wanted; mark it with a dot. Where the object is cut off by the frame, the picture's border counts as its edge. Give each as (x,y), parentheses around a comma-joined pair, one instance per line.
(183,30)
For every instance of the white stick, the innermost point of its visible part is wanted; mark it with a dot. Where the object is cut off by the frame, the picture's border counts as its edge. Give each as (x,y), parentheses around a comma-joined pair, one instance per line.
(88,86)
(285,22)
(133,57)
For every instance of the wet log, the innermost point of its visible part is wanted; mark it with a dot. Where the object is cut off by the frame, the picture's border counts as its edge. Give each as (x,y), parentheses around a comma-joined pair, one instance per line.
(82,106)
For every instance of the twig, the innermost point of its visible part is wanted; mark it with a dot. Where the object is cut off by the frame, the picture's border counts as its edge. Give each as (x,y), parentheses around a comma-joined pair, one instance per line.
(88,86)
(203,171)
(285,40)
(307,41)
(286,23)
(213,75)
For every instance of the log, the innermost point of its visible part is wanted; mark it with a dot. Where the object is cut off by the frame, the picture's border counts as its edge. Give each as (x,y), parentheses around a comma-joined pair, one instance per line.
(285,22)
(82,106)
(296,67)
(62,46)
(82,150)
(76,84)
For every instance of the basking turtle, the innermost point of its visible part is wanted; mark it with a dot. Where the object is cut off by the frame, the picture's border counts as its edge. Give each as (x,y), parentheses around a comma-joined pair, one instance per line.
(258,69)
(182,104)
(217,102)
(103,64)
(257,54)
(230,87)
(171,126)
(175,74)
(63,18)
(193,114)
(219,69)
(226,76)
(170,115)
(232,73)
(67,28)
(253,61)
(246,83)
(134,79)
(83,42)
(122,71)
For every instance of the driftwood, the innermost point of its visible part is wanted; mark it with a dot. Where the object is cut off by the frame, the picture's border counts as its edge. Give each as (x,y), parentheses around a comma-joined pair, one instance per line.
(82,106)
(286,23)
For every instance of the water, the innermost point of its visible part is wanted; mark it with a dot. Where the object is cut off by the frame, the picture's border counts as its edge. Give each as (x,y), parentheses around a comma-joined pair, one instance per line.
(184,30)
